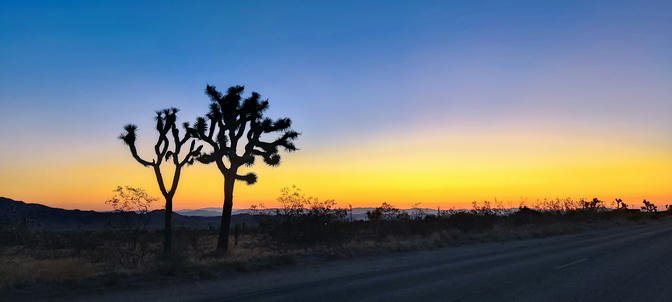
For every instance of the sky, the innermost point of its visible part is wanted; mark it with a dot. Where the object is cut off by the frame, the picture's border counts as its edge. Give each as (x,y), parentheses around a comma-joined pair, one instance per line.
(436,103)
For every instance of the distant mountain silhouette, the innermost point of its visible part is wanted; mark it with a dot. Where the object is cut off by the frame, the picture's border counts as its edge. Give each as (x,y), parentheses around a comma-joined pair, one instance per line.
(43,217)
(357,213)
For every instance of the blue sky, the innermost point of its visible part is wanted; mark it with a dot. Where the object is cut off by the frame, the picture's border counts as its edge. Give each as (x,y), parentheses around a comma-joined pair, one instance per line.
(347,72)
(373,64)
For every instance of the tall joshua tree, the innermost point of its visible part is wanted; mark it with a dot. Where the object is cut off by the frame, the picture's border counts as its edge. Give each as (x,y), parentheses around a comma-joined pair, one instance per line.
(233,129)
(168,147)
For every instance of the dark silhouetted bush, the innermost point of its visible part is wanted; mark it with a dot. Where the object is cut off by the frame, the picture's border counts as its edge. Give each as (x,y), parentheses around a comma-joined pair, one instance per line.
(649,207)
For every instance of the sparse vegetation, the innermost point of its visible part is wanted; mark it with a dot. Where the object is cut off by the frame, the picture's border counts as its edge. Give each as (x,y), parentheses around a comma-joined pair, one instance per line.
(302,220)
(620,204)
(384,212)
(304,228)
(649,207)
(131,199)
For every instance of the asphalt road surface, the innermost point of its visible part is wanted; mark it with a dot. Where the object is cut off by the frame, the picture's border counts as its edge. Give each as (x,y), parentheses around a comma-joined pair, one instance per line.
(627,263)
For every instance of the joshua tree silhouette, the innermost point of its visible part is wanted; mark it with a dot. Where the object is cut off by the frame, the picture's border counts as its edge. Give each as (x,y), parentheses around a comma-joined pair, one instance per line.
(168,146)
(233,127)
(620,205)
(649,206)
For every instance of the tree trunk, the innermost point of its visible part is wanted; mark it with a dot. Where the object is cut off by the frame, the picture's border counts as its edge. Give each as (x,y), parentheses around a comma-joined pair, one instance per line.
(223,241)
(168,227)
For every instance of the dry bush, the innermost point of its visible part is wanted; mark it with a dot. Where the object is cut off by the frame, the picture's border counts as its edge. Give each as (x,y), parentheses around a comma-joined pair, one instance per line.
(20,271)
(57,257)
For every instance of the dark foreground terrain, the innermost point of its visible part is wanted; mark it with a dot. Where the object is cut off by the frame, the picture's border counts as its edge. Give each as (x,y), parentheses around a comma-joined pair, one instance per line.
(625,263)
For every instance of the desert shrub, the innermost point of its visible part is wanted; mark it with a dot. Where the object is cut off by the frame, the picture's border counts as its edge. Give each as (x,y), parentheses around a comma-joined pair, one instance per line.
(130,199)
(417,212)
(384,212)
(283,231)
(482,209)
(552,205)
(525,216)
(620,204)
(569,204)
(473,221)
(303,220)
(592,205)
(649,206)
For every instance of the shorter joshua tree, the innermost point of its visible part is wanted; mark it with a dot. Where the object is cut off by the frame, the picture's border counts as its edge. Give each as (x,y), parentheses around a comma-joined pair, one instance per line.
(168,147)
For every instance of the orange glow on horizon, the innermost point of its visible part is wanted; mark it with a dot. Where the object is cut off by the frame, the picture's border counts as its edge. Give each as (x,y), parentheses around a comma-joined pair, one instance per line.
(437,169)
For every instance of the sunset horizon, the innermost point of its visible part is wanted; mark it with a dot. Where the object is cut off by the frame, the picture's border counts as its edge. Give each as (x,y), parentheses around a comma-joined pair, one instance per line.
(336,150)
(442,113)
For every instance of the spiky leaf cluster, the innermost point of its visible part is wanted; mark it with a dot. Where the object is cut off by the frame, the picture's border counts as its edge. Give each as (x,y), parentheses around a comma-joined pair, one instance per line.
(169,136)
(233,121)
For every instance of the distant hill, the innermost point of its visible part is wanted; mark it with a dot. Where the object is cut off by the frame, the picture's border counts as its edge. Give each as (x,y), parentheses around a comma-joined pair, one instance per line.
(43,217)
(357,213)
(211,212)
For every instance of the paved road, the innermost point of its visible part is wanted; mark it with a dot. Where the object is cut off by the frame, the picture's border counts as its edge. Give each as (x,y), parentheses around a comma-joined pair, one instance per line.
(632,263)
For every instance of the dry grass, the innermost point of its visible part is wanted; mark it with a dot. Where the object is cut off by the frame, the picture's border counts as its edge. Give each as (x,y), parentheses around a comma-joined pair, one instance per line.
(22,271)
(100,256)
